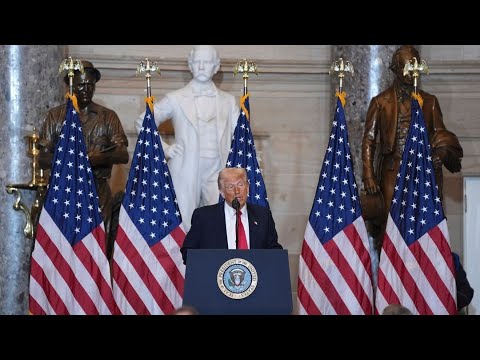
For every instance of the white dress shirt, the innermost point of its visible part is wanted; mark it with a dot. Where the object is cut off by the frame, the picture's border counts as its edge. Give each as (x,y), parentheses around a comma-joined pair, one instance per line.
(230,216)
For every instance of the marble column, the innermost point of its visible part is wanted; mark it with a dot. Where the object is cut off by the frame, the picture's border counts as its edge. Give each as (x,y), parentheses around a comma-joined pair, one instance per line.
(30,86)
(372,76)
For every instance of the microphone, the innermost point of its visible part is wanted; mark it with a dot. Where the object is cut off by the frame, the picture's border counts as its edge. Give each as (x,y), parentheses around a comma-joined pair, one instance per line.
(236,206)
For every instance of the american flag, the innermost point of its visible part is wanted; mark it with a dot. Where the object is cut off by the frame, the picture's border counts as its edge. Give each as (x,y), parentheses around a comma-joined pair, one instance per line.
(148,270)
(70,273)
(243,155)
(416,266)
(335,274)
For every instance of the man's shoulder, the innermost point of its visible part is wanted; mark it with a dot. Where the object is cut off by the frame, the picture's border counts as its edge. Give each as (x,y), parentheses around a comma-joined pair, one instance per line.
(56,114)
(187,91)
(179,92)
(427,96)
(58,109)
(257,209)
(100,108)
(225,94)
(208,208)
(386,94)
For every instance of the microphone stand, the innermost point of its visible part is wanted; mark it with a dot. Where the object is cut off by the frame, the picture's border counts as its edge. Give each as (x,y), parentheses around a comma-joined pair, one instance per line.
(236,206)
(237,214)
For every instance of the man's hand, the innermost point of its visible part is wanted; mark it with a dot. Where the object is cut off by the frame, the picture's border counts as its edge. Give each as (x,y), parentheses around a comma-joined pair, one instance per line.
(441,155)
(174,150)
(96,158)
(370,185)
(437,159)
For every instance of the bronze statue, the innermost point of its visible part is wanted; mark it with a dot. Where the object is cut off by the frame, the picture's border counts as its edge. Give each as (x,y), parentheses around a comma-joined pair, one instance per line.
(388,119)
(105,139)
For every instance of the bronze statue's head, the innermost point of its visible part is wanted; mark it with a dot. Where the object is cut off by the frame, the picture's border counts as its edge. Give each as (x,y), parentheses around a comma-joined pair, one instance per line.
(84,84)
(400,57)
(87,67)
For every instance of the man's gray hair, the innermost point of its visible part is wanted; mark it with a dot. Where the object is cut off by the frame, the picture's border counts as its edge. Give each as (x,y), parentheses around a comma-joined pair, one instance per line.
(241,171)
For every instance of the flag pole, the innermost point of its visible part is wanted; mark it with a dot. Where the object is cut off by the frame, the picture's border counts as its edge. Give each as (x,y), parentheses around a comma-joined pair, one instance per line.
(415,68)
(341,67)
(147,67)
(245,67)
(70,65)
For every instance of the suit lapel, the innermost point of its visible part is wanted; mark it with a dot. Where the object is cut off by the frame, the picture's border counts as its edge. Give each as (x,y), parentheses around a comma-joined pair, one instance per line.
(222,226)
(253,227)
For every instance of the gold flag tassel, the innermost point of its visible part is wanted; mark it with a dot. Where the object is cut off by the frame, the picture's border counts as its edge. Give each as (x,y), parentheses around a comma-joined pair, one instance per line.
(149,100)
(242,105)
(418,97)
(342,96)
(74,101)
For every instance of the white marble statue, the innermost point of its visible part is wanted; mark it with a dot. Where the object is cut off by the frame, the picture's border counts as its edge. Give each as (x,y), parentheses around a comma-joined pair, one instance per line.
(204,119)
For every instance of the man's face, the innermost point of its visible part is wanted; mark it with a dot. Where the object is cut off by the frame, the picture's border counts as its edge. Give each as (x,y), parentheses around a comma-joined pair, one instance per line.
(84,88)
(234,185)
(203,65)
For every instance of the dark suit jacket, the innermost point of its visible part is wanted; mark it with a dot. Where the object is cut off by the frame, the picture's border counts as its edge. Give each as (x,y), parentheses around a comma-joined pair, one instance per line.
(208,229)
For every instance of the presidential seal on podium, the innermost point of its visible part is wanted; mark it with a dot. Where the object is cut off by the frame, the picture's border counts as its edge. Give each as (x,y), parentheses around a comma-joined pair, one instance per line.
(237,278)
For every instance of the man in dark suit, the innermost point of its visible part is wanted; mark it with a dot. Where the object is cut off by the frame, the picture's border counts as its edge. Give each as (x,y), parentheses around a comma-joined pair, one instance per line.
(214,226)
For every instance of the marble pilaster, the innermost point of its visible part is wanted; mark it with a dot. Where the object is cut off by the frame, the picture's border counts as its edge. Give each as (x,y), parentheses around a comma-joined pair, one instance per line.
(30,86)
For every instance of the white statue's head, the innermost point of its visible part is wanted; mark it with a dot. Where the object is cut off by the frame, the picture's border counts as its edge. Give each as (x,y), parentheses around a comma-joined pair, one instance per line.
(203,62)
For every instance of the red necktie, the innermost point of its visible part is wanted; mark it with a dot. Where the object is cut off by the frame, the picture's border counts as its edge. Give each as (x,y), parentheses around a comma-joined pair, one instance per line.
(242,237)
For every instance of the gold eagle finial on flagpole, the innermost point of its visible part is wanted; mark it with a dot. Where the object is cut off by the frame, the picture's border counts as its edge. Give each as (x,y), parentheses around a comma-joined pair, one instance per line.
(70,65)
(341,67)
(245,67)
(148,67)
(414,67)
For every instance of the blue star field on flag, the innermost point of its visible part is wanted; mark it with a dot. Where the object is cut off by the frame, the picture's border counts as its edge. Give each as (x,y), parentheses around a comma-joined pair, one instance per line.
(336,202)
(243,155)
(150,198)
(416,206)
(72,199)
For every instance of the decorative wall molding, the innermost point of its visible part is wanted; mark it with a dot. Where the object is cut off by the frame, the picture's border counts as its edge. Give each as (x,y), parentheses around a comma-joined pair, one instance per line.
(180,64)
(129,64)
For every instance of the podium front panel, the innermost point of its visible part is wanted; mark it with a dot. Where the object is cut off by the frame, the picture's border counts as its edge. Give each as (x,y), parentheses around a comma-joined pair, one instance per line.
(238,282)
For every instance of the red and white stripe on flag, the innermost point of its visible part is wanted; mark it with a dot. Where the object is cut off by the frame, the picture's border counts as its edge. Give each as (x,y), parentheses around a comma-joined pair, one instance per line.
(335,278)
(147,270)
(70,273)
(416,266)
(147,280)
(420,276)
(335,274)
(66,279)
